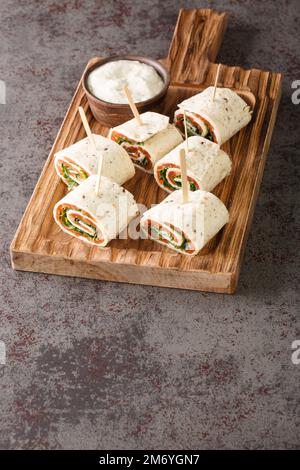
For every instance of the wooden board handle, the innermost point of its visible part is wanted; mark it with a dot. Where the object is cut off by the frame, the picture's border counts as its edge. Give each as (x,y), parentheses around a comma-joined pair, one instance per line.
(196,41)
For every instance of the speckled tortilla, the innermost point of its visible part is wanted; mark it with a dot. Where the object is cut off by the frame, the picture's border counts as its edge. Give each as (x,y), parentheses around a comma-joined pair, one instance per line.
(112,209)
(157,145)
(161,143)
(227,114)
(117,164)
(206,163)
(200,219)
(153,123)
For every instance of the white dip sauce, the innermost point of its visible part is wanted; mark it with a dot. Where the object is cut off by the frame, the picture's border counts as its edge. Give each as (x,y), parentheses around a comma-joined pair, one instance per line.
(107,81)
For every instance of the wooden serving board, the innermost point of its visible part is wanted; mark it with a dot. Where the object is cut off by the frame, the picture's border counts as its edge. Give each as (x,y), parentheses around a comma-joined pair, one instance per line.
(39,245)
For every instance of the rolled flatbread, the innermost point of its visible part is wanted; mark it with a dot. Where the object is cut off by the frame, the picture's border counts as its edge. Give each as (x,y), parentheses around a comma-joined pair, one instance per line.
(216,120)
(148,143)
(76,163)
(96,219)
(185,228)
(206,166)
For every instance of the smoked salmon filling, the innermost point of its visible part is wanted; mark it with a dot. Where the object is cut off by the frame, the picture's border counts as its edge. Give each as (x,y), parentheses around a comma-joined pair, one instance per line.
(71,173)
(79,222)
(195,128)
(170,177)
(135,150)
(169,235)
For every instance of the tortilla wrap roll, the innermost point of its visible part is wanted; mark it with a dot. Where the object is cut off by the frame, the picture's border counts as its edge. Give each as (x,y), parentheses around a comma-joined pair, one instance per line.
(206,166)
(148,143)
(96,219)
(185,228)
(216,120)
(76,163)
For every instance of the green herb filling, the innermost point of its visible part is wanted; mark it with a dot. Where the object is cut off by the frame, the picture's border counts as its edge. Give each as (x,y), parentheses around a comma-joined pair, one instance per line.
(160,231)
(70,181)
(68,224)
(177,179)
(192,129)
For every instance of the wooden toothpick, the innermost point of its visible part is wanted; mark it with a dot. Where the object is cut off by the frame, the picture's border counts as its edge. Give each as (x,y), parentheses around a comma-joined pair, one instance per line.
(99,171)
(86,126)
(216,82)
(184,181)
(92,141)
(185,132)
(132,105)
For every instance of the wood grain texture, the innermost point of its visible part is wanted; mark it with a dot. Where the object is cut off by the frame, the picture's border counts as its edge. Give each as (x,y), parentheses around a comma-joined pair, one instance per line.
(196,41)
(39,245)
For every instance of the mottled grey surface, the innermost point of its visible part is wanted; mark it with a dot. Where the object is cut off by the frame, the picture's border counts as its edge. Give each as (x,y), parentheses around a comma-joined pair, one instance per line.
(100,365)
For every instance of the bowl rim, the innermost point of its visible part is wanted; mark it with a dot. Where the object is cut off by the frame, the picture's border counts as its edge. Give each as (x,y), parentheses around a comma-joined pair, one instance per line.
(158,66)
